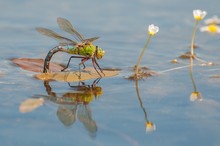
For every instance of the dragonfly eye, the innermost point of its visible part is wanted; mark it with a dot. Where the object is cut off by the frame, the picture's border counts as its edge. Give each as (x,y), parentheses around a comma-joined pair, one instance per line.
(99,52)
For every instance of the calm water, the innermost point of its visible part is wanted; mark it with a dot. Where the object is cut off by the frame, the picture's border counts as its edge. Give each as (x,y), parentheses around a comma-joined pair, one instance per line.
(115,117)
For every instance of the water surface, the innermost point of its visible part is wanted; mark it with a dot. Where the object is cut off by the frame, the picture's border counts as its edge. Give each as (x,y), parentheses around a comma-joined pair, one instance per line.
(116,115)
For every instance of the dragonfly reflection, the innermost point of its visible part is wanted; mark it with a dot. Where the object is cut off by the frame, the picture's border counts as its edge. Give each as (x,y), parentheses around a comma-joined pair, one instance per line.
(150,126)
(72,105)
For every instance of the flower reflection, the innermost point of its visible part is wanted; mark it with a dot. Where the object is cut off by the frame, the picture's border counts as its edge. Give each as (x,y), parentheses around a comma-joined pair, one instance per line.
(72,105)
(195,95)
(149,125)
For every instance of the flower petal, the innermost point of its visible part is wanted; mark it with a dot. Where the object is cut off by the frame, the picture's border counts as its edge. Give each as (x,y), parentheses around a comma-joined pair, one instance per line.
(152,29)
(199,14)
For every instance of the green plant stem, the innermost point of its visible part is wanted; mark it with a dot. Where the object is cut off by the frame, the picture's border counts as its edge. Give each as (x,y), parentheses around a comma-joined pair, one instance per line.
(141,55)
(191,74)
(193,38)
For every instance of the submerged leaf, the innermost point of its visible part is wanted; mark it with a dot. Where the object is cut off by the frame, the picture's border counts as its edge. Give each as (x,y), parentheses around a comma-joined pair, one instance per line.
(35,65)
(75,76)
(30,104)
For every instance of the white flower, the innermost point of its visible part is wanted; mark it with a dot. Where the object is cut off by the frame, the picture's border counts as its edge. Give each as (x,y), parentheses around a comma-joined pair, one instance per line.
(152,29)
(212,28)
(199,14)
(213,20)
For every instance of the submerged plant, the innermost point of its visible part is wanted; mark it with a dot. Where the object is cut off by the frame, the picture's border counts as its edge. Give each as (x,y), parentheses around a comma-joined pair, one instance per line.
(198,15)
(152,30)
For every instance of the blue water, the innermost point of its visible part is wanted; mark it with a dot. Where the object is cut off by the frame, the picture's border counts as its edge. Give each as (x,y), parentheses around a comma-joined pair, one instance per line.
(117,114)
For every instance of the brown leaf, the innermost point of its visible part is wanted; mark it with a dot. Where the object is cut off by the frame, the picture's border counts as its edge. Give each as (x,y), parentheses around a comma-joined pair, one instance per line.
(86,74)
(35,65)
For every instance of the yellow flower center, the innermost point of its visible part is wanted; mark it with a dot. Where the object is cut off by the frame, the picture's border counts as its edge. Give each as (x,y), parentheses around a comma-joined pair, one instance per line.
(212,28)
(198,17)
(151,33)
(149,124)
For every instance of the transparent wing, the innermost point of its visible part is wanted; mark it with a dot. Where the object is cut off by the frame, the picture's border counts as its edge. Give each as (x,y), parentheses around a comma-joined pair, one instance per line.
(85,116)
(52,34)
(91,39)
(65,25)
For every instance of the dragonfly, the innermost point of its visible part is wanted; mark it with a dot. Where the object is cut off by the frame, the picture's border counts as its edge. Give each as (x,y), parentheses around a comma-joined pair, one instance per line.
(81,48)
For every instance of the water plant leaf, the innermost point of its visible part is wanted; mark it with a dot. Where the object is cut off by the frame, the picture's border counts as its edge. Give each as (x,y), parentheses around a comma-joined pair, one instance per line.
(35,65)
(75,76)
(143,72)
(30,104)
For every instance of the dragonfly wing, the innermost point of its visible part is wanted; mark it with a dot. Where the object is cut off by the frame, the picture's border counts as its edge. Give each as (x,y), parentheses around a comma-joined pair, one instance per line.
(65,25)
(67,44)
(91,39)
(52,34)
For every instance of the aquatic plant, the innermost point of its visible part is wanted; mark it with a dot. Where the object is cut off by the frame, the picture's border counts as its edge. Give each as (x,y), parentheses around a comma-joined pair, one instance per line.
(152,30)
(198,15)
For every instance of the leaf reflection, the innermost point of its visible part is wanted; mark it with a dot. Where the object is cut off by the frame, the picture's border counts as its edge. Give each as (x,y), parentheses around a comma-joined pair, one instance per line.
(150,126)
(72,105)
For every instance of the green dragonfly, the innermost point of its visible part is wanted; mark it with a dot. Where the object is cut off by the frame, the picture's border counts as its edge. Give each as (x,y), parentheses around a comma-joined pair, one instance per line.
(83,49)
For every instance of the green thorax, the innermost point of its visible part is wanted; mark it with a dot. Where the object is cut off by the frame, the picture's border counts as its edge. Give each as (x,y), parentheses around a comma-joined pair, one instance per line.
(82,49)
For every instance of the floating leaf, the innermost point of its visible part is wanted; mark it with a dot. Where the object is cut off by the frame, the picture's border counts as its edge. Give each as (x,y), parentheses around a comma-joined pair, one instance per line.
(143,72)
(30,104)
(186,55)
(35,65)
(75,76)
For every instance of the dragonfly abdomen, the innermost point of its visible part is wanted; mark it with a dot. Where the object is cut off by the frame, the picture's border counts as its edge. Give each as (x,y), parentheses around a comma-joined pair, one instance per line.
(49,56)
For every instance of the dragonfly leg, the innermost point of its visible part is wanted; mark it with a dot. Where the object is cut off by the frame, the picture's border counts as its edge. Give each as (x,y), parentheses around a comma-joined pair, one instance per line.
(70,60)
(95,82)
(98,66)
(83,61)
(94,65)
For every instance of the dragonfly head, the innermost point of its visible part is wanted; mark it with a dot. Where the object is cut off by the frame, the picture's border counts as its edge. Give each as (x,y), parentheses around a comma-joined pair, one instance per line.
(99,52)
